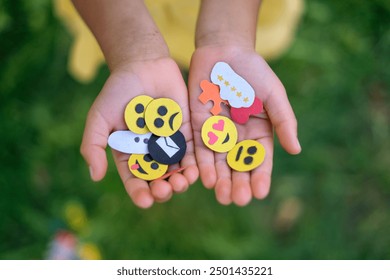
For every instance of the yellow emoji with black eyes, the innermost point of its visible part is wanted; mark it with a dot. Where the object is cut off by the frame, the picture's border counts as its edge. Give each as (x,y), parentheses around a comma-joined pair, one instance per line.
(144,167)
(219,134)
(135,114)
(163,117)
(246,155)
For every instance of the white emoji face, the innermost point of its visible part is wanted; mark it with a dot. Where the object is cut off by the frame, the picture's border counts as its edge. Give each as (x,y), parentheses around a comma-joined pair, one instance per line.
(233,87)
(129,142)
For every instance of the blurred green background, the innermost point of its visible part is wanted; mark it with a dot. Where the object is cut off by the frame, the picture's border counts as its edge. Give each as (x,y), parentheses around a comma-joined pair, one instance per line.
(330,202)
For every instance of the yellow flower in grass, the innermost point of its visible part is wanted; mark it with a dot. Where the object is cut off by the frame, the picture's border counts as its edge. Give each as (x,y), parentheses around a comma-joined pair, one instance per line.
(89,251)
(176,20)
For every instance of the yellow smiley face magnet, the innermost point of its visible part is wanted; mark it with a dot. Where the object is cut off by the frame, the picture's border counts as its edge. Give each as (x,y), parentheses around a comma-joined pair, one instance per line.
(135,114)
(163,116)
(144,167)
(219,134)
(246,155)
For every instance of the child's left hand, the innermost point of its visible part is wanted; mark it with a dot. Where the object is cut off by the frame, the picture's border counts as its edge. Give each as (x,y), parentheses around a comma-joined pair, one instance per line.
(233,186)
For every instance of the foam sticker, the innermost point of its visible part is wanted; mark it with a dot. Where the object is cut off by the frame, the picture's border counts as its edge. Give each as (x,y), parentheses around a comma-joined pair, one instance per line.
(144,167)
(128,142)
(210,92)
(233,87)
(241,115)
(163,116)
(167,150)
(219,134)
(246,155)
(135,114)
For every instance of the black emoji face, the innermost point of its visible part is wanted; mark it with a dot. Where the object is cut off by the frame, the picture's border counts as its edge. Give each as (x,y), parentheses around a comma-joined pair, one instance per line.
(163,116)
(144,167)
(167,150)
(135,114)
(246,155)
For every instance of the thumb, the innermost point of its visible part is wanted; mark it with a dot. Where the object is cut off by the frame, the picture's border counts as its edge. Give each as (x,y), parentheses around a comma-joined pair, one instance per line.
(94,144)
(283,119)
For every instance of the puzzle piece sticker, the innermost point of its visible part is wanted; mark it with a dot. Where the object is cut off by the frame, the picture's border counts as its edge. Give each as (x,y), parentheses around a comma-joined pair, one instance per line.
(210,92)
(135,114)
(163,116)
(168,150)
(241,115)
(219,134)
(246,155)
(233,87)
(128,142)
(144,167)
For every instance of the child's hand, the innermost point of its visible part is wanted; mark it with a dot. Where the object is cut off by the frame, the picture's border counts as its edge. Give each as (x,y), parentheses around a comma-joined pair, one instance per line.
(232,186)
(156,78)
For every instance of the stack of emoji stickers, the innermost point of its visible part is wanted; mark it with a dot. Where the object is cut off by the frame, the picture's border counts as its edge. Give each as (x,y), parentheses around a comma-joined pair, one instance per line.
(153,139)
(219,133)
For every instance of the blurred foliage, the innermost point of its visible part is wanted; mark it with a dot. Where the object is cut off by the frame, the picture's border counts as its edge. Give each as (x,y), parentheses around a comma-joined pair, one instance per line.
(330,202)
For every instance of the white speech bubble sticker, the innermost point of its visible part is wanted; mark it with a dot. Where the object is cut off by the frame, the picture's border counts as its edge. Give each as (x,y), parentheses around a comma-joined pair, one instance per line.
(233,87)
(129,142)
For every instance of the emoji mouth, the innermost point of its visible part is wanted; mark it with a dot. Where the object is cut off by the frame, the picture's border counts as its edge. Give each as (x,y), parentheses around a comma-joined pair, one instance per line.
(171,120)
(138,167)
(226,139)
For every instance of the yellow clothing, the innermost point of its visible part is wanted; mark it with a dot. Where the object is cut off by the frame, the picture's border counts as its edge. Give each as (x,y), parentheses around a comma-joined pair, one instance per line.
(176,20)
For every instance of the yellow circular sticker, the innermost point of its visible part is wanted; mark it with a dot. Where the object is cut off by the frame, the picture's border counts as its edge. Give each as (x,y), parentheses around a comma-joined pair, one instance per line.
(246,155)
(144,167)
(219,134)
(163,116)
(135,114)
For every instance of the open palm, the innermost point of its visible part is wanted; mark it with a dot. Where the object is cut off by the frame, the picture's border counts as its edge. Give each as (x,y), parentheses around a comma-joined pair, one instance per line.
(156,78)
(233,186)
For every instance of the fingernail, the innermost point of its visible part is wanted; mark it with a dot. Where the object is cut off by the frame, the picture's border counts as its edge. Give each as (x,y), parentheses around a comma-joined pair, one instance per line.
(91,172)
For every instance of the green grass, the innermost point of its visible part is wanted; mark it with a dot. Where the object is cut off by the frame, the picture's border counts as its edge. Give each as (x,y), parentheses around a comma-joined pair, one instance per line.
(330,202)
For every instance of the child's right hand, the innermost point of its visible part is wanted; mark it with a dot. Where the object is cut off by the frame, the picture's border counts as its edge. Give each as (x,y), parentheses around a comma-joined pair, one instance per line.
(157,78)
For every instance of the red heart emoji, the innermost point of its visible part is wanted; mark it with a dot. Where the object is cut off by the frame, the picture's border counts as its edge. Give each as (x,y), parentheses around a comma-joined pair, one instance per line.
(219,125)
(212,138)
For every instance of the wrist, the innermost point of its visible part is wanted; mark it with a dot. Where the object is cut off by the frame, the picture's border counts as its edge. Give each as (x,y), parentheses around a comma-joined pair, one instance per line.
(136,48)
(225,38)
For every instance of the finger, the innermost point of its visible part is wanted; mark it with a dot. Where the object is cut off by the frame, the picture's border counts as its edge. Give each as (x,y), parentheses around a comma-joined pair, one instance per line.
(94,144)
(137,189)
(191,173)
(241,188)
(161,190)
(223,186)
(283,118)
(206,164)
(261,176)
(223,191)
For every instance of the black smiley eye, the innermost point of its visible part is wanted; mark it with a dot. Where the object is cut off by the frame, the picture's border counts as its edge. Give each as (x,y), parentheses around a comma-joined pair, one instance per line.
(136,139)
(158,122)
(248,160)
(252,150)
(154,165)
(146,140)
(147,158)
(162,110)
(141,122)
(139,108)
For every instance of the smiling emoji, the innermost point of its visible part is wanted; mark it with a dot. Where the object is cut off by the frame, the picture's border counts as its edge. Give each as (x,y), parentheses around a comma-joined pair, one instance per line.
(219,134)
(144,167)
(163,117)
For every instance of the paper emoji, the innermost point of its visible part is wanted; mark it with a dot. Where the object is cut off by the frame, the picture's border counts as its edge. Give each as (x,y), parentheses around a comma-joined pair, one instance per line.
(233,87)
(168,146)
(128,142)
(167,150)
